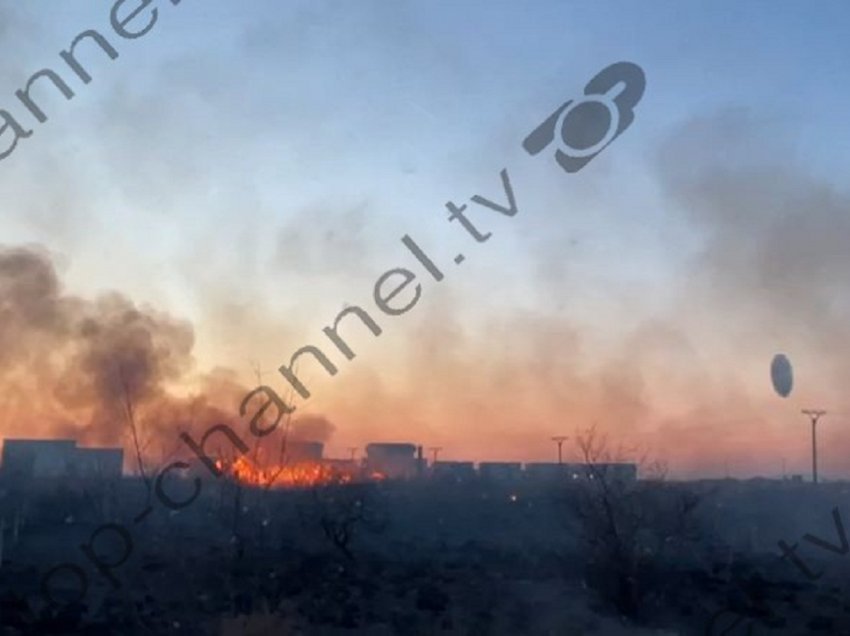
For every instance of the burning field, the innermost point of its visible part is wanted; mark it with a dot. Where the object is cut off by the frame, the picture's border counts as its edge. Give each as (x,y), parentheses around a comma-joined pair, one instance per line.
(108,372)
(300,474)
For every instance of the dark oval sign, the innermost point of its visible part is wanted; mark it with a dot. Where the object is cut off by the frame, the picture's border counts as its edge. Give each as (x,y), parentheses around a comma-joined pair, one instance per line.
(782,374)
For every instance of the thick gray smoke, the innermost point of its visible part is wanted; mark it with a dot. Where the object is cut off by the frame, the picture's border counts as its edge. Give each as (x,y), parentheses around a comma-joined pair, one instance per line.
(80,367)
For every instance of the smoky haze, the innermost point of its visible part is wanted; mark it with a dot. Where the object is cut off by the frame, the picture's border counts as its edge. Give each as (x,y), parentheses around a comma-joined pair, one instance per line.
(763,262)
(776,247)
(766,274)
(72,367)
(314,428)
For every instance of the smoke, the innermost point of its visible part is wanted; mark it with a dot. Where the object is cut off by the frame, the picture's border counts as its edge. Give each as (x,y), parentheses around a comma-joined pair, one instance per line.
(83,368)
(311,428)
(762,268)
(769,275)
(776,237)
(338,233)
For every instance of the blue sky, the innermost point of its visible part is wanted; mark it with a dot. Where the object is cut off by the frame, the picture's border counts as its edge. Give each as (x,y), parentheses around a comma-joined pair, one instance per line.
(251,167)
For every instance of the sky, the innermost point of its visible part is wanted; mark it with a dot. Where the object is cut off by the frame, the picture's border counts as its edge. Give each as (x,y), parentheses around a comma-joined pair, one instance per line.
(244,171)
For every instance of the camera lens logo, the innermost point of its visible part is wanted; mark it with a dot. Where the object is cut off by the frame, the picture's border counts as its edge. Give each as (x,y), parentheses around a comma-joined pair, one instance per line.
(582,128)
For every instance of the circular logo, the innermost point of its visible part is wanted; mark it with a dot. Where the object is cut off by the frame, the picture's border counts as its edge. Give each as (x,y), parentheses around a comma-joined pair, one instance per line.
(582,122)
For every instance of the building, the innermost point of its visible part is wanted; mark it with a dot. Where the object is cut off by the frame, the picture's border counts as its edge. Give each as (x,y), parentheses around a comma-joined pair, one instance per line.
(500,471)
(46,459)
(617,472)
(98,462)
(621,472)
(454,471)
(393,460)
(546,471)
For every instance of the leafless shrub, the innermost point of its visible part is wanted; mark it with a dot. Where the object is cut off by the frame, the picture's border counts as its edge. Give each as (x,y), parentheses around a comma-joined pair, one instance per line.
(342,512)
(631,529)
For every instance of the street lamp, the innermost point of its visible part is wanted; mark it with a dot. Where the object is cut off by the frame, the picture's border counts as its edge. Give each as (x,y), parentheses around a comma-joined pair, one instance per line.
(814,416)
(559,440)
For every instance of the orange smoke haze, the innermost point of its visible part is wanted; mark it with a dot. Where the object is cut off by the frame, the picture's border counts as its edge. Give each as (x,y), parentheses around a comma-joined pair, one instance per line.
(85,369)
(688,384)
(79,368)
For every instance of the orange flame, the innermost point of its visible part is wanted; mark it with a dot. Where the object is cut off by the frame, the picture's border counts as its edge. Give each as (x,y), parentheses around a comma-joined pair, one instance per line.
(303,474)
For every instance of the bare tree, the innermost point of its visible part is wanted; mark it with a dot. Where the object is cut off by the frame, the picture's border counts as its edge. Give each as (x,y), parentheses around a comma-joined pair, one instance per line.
(138,444)
(266,468)
(270,467)
(629,526)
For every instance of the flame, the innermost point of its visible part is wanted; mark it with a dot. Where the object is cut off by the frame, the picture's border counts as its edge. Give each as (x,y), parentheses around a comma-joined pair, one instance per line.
(302,474)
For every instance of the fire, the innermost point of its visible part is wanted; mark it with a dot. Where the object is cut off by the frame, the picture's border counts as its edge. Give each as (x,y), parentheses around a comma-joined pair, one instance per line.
(302,474)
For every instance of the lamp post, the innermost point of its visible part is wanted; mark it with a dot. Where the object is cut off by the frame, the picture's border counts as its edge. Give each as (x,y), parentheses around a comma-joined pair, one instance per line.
(814,416)
(559,440)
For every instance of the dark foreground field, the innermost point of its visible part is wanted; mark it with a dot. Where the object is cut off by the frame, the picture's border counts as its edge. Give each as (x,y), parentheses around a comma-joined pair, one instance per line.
(427,558)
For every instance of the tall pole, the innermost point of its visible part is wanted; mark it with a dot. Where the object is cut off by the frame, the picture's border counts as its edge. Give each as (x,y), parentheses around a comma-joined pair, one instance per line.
(435,450)
(353,451)
(814,416)
(559,440)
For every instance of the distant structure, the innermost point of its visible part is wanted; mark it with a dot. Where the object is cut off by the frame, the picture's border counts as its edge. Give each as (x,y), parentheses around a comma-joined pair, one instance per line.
(46,459)
(454,471)
(546,471)
(814,415)
(393,460)
(559,440)
(63,459)
(500,471)
(623,472)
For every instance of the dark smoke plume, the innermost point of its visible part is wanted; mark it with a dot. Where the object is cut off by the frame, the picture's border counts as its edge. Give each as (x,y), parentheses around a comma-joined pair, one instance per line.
(79,368)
